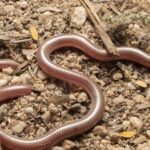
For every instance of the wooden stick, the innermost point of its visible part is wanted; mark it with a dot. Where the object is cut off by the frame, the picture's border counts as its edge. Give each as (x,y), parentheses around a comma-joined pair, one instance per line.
(113,7)
(98,24)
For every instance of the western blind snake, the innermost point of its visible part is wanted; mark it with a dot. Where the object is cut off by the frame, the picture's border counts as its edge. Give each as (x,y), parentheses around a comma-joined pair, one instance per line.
(97,101)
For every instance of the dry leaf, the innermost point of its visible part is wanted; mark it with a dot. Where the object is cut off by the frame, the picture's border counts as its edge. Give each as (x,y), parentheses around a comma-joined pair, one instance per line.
(34,33)
(127,134)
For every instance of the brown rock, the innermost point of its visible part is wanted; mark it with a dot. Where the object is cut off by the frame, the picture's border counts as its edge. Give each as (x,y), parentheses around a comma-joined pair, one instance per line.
(100,130)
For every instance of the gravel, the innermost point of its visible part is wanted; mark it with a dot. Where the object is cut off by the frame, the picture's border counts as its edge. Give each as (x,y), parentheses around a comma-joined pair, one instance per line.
(52,103)
(18,128)
(136,122)
(100,130)
(69,145)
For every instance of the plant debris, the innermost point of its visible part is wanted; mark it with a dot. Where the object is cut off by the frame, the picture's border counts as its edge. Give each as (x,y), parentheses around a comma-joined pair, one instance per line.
(52,103)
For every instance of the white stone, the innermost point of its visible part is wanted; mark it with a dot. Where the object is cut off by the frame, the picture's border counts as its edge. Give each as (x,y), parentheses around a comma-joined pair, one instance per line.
(68,145)
(78,17)
(117,76)
(82,97)
(28,53)
(100,130)
(41,131)
(51,86)
(16,80)
(42,75)
(148,133)
(58,148)
(19,127)
(46,116)
(22,4)
(125,124)
(8,70)
(29,110)
(3,82)
(136,122)
(9,8)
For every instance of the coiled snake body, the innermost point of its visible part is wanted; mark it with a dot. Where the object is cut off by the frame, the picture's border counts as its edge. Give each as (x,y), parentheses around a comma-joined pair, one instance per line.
(97,101)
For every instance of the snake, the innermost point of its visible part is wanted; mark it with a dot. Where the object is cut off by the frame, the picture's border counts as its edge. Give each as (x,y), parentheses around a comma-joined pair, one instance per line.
(96,111)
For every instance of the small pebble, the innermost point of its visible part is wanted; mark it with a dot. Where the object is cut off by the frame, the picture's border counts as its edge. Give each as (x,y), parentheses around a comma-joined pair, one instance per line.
(9,8)
(143,146)
(106,117)
(54,110)
(22,4)
(8,70)
(114,138)
(51,86)
(143,106)
(118,148)
(131,86)
(140,139)
(24,101)
(78,17)
(68,145)
(83,109)
(3,124)
(58,148)
(18,128)
(117,76)
(148,93)
(16,80)
(125,124)
(72,97)
(65,114)
(29,54)
(141,84)
(42,75)
(117,128)
(46,116)
(29,110)
(119,99)
(148,133)
(139,98)
(39,87)
(136,122)
(82,97)
(100,130)
(75,107)
(26,77)
(136,26)
(3,82)
(2,4)
(43,109)
(41,131)
(131,26)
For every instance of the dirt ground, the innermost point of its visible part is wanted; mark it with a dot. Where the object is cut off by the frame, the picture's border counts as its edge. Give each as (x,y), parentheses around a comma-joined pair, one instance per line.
(126,85)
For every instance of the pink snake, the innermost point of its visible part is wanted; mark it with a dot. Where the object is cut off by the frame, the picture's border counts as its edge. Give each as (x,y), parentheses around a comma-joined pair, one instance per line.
(54,136)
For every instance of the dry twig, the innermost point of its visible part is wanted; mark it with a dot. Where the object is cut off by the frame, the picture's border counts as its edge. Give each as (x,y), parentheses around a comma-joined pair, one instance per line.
(98,24)
(9,39)
(115,10)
